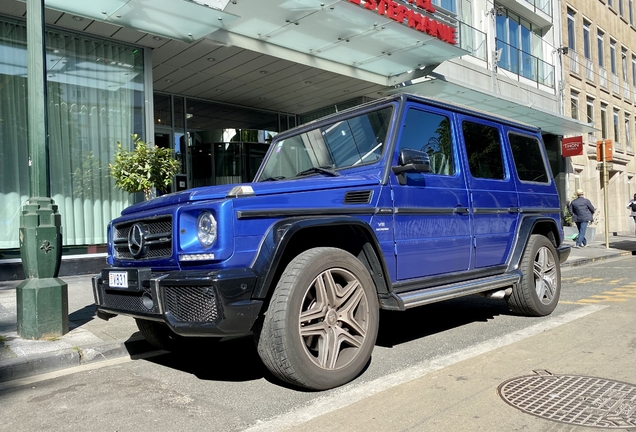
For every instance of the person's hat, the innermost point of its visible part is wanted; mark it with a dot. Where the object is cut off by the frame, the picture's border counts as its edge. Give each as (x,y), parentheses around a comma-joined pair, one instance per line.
(579,191)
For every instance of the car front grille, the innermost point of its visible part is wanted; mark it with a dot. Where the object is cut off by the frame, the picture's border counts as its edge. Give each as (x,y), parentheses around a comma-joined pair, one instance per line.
(128,301)
(158,238)
(191,303)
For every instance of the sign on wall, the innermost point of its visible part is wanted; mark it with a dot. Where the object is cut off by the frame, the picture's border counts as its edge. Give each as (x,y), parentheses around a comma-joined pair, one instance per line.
(572,146)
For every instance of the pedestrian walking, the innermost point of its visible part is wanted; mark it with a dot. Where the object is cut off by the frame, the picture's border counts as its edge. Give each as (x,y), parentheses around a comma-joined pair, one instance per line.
(582,212)
(631,205)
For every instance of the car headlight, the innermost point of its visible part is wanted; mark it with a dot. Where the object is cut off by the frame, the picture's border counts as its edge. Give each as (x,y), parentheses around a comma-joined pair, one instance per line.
(206,229)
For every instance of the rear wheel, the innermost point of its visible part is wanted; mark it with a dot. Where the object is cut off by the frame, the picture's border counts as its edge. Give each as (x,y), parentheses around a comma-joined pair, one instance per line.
(322,321)
(540,287)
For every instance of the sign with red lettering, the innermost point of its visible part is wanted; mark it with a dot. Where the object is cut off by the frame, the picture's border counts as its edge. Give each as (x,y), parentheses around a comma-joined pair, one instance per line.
(572,146)
(405,15)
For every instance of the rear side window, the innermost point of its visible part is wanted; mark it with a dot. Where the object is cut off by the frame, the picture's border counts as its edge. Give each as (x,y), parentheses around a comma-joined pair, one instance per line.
(526,152)
(430,133)
(483,149)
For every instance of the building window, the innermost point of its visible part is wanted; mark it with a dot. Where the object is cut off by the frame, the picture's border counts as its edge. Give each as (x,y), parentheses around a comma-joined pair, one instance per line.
(624,63)
(587,49)
(599,39)
(521,46)
(603,121)
(571,30)
(613,57)
(621,10)
(93,104)
(616,125)
(631,12)
(574,105)
(628,132)
(590,116)
(449,5)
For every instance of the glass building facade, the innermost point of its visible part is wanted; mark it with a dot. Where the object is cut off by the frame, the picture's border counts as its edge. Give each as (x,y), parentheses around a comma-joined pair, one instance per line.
(95,100)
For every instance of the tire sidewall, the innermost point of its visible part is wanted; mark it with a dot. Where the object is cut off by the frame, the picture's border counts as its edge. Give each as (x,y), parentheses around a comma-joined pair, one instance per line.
(313,375)
(535,243)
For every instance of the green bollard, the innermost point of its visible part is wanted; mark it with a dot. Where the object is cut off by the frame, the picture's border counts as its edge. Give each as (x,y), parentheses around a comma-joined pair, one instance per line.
(42,298)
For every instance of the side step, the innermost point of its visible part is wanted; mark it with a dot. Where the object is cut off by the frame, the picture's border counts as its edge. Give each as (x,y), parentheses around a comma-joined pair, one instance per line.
(425,296)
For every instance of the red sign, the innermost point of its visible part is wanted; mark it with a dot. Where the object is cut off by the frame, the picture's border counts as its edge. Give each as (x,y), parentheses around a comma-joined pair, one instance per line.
(401,13)
(572,146)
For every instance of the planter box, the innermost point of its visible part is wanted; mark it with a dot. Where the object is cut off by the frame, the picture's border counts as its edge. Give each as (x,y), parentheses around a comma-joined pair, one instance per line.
(571,233)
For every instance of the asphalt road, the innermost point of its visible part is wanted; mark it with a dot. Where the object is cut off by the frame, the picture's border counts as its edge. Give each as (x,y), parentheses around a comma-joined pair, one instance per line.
(226,388)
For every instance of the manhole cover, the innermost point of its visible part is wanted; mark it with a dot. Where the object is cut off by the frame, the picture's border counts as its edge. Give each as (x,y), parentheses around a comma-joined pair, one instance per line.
(572,399)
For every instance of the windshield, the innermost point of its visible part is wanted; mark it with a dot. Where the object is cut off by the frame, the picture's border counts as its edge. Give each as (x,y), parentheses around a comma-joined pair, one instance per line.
(342,144)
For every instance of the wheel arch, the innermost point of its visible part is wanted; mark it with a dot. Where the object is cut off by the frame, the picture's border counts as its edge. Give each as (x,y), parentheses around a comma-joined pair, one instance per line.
(289,237)
(533,225)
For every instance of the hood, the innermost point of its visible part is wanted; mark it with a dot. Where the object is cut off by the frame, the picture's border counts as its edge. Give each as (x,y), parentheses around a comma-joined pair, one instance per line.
(310,183)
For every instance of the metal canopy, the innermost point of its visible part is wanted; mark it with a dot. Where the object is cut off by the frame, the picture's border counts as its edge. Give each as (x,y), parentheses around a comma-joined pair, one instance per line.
(334,35)
(548,121)
(343,32)
(177,19)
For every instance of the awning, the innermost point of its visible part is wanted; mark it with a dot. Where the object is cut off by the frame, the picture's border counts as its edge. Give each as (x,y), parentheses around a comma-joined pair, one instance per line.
(387,42)
(439,87)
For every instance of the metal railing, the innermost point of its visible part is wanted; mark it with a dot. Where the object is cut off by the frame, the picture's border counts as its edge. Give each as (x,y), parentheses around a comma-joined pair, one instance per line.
(602,72)
(544,6)
(589,69)
(473,41)
(525,65)
(574,61)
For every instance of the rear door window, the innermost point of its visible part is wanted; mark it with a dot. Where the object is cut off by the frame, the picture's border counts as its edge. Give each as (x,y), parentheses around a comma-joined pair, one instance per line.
(483,150)
(528,158)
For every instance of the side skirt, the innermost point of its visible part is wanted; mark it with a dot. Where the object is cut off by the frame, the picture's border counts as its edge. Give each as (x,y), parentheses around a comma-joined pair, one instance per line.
(420,297)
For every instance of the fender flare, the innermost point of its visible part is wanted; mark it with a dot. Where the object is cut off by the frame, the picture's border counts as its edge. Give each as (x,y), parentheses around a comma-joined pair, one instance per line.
(270,251)
(526,227)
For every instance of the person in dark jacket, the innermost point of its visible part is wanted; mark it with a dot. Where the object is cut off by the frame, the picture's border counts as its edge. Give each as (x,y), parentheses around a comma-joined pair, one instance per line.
(632,206)
(582,212)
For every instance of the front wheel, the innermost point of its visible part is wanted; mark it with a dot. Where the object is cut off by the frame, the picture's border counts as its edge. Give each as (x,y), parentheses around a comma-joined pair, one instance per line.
(159,334)
(322,321)
(540,287)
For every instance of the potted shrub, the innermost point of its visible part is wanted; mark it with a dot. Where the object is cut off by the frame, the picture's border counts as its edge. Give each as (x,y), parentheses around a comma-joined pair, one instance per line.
(143,168)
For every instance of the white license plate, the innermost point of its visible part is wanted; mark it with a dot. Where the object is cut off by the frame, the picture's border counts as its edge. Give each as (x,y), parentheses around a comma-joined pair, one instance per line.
(118,279)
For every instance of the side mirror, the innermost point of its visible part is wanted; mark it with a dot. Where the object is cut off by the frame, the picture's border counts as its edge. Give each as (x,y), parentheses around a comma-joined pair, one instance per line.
(411,161)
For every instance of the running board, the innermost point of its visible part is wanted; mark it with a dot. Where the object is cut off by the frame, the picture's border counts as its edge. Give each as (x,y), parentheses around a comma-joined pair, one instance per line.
(425,296)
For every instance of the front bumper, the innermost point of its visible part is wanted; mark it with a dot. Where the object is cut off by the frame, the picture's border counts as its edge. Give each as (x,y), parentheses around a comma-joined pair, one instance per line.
(191,303)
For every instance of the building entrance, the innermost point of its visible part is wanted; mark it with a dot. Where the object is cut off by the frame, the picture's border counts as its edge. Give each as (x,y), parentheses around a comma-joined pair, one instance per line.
(216,143)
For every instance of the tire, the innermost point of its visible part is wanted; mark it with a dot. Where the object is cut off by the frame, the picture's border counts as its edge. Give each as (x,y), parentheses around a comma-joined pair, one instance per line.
(540,288)
(159,335)
(322,321)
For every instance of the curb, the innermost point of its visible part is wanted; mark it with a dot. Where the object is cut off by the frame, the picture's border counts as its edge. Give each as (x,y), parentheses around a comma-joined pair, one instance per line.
(28,366)
(581,261)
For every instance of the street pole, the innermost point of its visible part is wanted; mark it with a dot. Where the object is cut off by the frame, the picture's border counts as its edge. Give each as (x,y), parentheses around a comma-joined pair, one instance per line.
(605,196)
(42,298)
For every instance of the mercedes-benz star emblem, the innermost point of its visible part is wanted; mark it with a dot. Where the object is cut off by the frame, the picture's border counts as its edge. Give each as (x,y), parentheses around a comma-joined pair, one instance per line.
(137,241)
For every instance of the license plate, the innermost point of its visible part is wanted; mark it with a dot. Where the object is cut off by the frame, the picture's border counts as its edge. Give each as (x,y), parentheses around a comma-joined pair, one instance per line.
(118,279)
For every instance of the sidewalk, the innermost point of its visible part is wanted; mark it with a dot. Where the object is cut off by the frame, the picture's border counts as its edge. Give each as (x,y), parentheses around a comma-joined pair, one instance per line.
(91,339)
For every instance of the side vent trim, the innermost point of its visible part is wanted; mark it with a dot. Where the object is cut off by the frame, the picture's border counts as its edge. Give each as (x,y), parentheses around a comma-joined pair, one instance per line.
(358,197)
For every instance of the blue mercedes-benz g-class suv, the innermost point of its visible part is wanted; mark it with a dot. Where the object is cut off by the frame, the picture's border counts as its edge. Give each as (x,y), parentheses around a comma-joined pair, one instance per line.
(397,203)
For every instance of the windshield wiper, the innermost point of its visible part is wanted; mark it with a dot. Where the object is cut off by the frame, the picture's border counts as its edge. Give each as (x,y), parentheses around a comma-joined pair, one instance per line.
(319,170)
(273,178)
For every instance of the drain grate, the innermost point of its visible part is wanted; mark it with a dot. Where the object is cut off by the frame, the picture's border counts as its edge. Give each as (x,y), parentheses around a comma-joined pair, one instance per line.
(572,399)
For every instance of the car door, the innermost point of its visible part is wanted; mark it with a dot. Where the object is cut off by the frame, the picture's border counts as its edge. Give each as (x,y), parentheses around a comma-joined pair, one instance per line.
(492,188)
(534,183)
(431,210)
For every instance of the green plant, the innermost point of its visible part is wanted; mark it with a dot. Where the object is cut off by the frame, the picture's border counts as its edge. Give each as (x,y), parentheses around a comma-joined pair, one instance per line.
(143,167)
